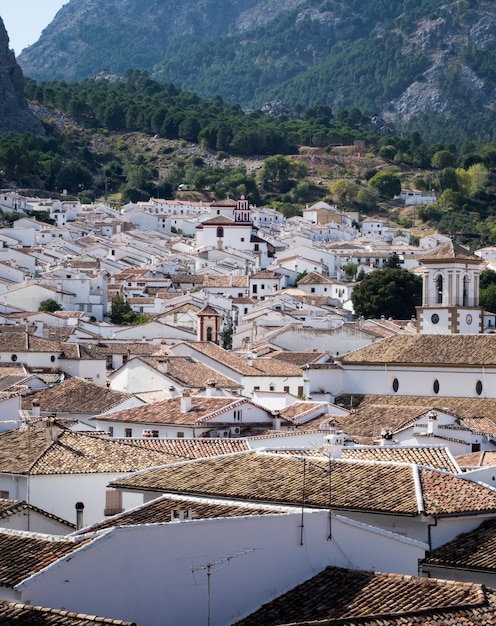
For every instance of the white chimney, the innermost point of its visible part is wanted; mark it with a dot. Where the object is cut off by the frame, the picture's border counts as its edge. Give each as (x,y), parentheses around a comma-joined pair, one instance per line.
(211,388)
(79,515)
(186,401)
(52,430)
(35,408)
(431,422)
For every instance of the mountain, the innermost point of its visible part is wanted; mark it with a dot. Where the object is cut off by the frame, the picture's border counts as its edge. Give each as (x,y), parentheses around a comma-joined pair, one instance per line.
(399,59)
(15,115)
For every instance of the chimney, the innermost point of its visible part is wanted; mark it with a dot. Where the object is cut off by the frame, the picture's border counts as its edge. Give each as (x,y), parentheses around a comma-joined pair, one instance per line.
(334,443)
(431,422)
(211,387)
(186,401)
(179,514)
(35,408)
(79,515)
(277,420)
(52,430)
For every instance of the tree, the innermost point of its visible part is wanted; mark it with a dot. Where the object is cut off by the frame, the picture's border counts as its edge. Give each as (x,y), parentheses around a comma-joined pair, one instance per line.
(388,184)
(392,292)
(121,312)
(50,305)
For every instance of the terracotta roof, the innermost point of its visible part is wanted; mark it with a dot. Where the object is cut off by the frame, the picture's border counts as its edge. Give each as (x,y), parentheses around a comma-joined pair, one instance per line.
(365,423)
(239,281)
(27,615)
(348,598)
(296,411)
(429,456)
(77,395)
(475,550)
(272,478)
(169,411)
(21,341)
(448,350)
(24,554)
(463,407)
(296,358)
(314,278)
(449,251)
(477,459)
(162,510)
(29,451)
(194,448)
(190,373)
(8,508)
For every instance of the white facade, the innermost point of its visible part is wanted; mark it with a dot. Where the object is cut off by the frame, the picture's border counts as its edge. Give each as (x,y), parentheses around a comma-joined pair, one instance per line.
(167,582)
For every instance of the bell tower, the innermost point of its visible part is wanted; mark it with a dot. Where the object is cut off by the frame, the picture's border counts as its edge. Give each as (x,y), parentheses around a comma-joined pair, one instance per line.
(450,294)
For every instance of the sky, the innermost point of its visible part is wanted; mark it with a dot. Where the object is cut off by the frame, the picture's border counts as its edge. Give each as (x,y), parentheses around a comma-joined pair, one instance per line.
(25,19)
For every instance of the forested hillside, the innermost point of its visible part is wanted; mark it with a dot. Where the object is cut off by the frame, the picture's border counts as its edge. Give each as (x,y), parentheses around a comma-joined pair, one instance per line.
(425,65)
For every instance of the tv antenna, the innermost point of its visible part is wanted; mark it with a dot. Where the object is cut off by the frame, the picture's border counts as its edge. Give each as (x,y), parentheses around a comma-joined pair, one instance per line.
(215,566)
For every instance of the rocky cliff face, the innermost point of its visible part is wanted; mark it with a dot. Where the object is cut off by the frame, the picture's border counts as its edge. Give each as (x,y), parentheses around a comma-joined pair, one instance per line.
(15,114)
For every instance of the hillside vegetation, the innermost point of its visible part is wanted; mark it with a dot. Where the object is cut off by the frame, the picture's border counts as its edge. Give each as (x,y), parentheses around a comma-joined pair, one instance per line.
(425,65)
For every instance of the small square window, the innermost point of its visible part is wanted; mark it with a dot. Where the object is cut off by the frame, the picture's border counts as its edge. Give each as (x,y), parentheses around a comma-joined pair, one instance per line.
(128,432)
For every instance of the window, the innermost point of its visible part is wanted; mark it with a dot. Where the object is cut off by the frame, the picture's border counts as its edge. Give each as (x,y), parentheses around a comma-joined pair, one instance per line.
(256,247)
(286,389)
(255,288)
(439,287)
(128,432)
(242,239)
(478,387)
(113,502)
(220,232)
(435,386)
(4,495)
(52,359)
(256,388)
(476,447)
(209,333)
(237,415)
(396,385)
(111,431)
(312,289)
(155,433)
(180,434)
(13,357)
(300,391)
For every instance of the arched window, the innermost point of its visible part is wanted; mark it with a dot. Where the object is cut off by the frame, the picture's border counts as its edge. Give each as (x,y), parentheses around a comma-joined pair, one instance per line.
(209,333)
(220,232)
(439,289)
(465,291)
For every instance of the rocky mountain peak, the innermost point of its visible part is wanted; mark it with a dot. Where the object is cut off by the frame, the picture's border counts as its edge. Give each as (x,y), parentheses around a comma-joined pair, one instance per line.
(15,114)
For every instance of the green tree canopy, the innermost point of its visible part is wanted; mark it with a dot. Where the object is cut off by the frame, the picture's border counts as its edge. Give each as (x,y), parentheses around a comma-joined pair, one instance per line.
(388,184)
(392,292)
(121,312)
(50,305)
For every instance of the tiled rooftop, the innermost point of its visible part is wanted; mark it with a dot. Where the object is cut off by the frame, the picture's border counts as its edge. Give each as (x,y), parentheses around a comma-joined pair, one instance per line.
(477,459)
(472,550)
(190,373)
(24,554)
(164,509)
(194,448)
(429,456)
(17,614)
(348,598)
(8,508)
(441,350)
(296,358)
(169,411)
(29,451)
(77,395)
(463,407)
(272,478)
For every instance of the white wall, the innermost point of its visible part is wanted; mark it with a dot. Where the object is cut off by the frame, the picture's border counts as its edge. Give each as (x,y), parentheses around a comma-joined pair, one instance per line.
(156,575)
(58,494)
(457,382)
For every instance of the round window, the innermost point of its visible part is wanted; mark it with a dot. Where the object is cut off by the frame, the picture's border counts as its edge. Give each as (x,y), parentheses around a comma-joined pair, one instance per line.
(396,385)
(13,357)
(478,387)
(435,386)
(52,359)
(435,318)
